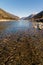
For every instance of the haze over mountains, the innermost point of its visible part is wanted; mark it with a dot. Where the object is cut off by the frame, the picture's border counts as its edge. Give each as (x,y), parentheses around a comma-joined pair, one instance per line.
(7,16)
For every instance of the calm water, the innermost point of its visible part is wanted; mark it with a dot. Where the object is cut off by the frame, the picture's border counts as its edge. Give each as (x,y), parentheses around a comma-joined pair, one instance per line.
(15,26)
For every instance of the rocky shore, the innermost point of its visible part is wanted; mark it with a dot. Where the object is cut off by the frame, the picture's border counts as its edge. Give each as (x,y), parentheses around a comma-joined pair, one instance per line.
(22,48)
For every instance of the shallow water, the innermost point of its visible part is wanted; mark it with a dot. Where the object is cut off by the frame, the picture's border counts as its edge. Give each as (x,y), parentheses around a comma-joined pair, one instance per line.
(17,26)
(20,42)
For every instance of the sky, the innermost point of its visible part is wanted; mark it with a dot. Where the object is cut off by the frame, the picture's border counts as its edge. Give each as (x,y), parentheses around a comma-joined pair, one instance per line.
(22,8)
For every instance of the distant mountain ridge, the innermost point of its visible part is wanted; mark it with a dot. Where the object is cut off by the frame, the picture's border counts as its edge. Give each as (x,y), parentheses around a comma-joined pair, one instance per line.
(29,17)
(7,16)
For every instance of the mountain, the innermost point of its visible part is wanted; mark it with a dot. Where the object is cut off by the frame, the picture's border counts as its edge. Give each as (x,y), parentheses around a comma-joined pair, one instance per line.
(38,17)
(29,17)
(7,16)
(35,17)
(22,18)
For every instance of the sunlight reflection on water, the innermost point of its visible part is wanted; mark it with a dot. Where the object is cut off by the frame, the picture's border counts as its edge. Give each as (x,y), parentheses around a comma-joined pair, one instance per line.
(21,25)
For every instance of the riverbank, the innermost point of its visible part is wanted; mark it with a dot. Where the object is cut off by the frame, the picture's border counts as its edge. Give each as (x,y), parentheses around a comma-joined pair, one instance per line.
(4,20)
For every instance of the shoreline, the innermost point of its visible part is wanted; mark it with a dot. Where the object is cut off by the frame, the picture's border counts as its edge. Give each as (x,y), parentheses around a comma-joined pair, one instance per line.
(6,20)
